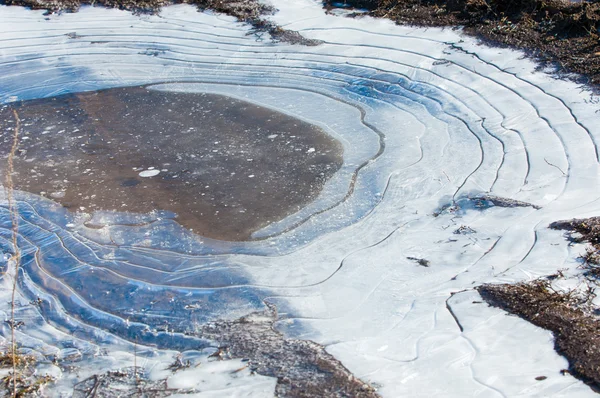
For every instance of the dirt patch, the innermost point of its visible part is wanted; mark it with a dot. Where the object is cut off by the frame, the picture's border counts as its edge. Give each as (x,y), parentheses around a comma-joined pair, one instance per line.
(560,33)
(226,167)
(576,331)
(302,368)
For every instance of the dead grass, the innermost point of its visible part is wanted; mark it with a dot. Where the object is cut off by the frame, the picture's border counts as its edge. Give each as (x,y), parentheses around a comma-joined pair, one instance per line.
(122,383)
(588,228)
(16,258)
(26,387)
(23,380)
(585,230)
(7,359)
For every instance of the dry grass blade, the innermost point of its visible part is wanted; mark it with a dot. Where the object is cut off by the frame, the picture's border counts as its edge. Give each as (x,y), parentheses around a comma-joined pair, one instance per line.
(9,188)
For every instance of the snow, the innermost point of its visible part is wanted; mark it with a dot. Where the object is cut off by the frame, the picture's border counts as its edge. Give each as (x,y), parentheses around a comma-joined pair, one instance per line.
(427,118)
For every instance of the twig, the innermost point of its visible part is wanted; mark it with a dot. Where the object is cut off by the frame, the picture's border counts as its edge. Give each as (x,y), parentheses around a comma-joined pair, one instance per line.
(14,215)
(239,370)
(94,389)
(389,12)
(135,369)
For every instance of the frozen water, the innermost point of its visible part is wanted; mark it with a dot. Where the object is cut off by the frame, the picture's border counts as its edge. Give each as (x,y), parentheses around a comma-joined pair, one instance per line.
(111,137)
(149,173)
(428,120)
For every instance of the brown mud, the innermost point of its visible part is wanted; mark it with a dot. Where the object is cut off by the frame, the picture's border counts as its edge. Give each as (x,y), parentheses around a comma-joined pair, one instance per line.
(226,167)
(557,33)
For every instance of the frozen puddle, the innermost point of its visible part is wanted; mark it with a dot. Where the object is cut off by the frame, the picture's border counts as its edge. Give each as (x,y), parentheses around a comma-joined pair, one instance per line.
(375,258)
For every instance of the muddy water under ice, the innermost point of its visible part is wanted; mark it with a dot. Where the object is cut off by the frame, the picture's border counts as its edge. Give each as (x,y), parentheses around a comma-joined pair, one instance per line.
(225,167)
(148,163)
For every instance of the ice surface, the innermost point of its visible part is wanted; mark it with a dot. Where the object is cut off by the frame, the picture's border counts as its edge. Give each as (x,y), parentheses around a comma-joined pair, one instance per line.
(149,173)
(107,137)
(428,119)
